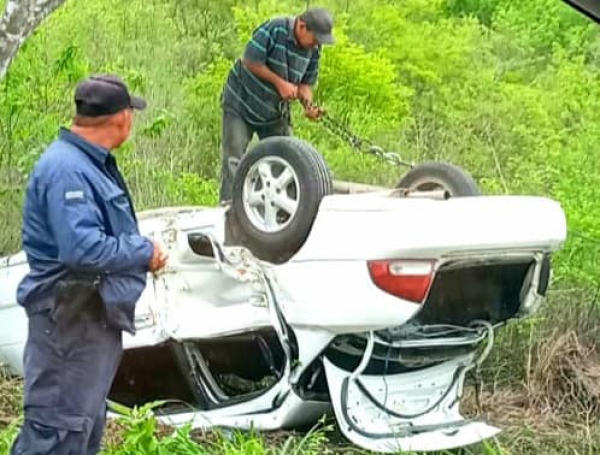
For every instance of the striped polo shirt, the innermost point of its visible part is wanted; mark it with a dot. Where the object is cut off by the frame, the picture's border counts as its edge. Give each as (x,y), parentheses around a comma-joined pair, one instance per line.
(272,43)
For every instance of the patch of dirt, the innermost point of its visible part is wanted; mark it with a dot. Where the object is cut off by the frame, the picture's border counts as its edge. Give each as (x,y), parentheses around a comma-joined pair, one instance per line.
(328,441)
(561,392)
(114,432)
(508,409)
(10,399)
(566,376)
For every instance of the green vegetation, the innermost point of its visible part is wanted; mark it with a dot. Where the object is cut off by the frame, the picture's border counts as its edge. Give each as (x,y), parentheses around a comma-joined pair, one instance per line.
(508,90)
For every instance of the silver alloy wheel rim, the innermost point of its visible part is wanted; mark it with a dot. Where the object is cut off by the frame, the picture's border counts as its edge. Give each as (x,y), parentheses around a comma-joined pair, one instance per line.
(271,194)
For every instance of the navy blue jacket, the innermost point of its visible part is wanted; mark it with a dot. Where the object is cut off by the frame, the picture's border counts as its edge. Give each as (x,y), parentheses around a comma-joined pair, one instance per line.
(78,216)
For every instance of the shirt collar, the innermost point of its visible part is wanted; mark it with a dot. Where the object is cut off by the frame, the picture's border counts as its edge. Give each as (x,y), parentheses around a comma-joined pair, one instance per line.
(99,154)
(291,21)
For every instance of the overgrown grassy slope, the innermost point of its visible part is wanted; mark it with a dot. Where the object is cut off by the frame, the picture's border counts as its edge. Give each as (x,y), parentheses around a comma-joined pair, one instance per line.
(516,104)
(508,90)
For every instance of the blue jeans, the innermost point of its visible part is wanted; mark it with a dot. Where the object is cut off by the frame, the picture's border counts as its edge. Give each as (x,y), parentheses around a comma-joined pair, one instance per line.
(69,369)
(236,135)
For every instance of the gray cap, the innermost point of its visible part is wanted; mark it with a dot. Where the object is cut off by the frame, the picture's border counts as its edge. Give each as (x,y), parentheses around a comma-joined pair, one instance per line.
(320,22)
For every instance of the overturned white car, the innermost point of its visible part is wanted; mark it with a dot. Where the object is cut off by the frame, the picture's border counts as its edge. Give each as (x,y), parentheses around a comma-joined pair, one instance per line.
(298,302)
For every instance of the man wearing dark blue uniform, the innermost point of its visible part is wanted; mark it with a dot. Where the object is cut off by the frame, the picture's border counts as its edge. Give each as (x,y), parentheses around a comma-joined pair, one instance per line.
(88,266)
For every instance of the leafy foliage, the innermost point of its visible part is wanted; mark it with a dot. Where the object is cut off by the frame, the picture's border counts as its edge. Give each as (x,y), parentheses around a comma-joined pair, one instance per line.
(507,90)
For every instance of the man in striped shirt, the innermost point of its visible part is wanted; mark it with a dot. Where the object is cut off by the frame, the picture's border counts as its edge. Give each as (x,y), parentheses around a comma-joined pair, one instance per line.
(280,64)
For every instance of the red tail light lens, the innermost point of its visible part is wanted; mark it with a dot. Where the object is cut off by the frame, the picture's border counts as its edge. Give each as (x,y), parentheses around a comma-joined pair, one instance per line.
(407,279)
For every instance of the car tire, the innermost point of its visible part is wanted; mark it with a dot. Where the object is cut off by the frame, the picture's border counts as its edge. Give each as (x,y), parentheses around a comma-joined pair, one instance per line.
(277,234)
(432,176)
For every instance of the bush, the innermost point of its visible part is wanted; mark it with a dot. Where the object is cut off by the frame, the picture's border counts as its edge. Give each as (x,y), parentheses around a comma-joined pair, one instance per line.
(507,90)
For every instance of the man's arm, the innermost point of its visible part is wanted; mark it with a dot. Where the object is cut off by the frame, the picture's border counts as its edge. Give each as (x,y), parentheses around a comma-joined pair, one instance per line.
(255,59)
(308,80)
(256,53)
(262,71)
(82,241)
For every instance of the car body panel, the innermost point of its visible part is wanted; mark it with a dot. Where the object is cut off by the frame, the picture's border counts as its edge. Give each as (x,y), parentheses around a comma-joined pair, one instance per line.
(430,396)
(359,227)
(293,413)
(323,292)
(347,301)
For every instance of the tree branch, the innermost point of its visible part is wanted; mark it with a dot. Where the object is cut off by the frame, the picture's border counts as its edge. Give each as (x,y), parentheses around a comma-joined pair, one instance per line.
(19,21)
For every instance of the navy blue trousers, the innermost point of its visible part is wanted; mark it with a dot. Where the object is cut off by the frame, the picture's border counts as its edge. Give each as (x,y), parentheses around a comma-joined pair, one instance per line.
(69,369)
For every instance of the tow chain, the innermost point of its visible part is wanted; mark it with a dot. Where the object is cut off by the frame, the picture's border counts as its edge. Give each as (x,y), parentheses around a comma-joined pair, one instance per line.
(337,128)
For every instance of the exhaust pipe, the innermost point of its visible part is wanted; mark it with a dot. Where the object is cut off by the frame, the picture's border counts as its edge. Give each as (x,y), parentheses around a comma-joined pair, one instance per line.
(343,187)
(440,195)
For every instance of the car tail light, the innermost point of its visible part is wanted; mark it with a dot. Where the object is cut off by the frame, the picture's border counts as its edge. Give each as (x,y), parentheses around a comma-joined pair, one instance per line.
(407,279)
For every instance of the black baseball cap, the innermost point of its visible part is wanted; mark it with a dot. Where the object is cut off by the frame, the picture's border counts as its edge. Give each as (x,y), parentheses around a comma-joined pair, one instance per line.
(104,95)
(320,22)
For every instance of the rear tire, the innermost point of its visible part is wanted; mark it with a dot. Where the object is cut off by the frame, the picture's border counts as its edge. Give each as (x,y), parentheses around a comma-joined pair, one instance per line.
(274,217)
(431,176)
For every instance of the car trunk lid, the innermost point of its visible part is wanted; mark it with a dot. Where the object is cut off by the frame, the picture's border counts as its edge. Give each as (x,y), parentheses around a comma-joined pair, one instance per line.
(414,411)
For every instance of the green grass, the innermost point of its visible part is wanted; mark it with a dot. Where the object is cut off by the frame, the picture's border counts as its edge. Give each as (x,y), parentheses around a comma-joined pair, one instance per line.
(139,433)
(508,90)
(517,105)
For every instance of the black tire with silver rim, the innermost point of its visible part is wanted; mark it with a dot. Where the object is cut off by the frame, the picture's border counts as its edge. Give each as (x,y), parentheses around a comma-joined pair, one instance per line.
(432,176)
(277,190)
